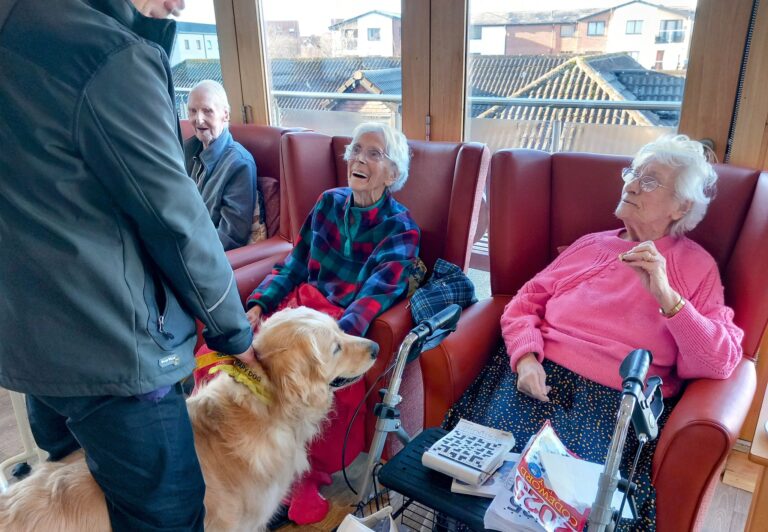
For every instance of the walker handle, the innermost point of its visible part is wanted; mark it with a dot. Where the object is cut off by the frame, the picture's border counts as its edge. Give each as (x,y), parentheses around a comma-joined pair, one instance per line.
(446,319)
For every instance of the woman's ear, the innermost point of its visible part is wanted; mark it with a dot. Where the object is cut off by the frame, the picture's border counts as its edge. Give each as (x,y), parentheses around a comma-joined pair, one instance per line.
(392,178)
(683,208)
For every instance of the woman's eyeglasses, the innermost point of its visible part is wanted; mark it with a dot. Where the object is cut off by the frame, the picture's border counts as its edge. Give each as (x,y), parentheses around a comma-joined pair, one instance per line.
(648,183)
(370,154)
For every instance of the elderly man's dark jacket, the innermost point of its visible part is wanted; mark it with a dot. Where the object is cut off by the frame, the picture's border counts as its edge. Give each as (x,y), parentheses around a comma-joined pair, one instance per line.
(107,248)
(227,184)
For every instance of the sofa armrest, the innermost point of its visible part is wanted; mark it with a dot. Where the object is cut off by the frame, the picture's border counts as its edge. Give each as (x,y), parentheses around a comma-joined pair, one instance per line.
(247,278)
(452,366)
(250,276)
(695,443)
(257,251)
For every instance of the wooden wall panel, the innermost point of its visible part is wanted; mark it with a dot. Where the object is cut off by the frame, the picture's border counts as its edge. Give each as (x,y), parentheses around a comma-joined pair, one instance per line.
(447,67)
(750,148)
(717,48)
(750,136)
(415,47)
(252,56)
(230,63)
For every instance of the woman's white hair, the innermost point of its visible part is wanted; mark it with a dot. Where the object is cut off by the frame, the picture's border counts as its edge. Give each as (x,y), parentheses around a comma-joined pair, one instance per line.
(215,90)
(395,147)
(695,181)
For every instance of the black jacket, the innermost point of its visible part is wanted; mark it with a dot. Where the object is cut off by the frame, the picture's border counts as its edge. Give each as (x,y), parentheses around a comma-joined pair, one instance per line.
(107,248)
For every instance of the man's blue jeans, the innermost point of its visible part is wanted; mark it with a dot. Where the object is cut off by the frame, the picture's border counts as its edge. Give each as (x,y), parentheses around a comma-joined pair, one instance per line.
(140,452)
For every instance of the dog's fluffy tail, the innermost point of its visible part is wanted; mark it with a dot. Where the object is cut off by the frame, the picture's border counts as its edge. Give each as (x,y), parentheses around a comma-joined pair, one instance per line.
(57,497)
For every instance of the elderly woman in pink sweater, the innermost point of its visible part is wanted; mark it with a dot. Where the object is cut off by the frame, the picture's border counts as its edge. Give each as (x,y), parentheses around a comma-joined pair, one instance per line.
(643,286)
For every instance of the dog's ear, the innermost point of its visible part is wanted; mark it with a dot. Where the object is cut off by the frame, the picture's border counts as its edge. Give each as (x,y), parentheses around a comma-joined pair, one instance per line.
(314,348)
(301,370)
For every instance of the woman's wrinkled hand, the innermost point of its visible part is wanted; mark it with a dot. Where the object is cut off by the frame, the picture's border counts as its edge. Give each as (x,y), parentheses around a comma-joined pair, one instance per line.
(651,266)
(531,378)
(254,317)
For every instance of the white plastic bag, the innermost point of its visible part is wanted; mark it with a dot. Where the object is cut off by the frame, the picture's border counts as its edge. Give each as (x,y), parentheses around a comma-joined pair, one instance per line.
(381,521)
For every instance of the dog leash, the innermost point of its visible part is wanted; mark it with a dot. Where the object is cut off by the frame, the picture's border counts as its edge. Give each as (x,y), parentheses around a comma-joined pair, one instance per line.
(232,366)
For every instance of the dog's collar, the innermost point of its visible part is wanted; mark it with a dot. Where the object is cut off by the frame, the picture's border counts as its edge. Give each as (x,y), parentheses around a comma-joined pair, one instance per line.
(236,369)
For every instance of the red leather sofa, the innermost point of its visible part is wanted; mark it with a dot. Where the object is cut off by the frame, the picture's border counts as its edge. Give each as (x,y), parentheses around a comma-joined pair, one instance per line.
(263,142)
(540,202)
(443,193)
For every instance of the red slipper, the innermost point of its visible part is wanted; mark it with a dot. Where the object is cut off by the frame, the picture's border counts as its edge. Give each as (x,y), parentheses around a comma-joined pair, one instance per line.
(307,505)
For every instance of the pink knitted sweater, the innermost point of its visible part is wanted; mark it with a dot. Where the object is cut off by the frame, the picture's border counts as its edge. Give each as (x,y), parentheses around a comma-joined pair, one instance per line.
(587,310)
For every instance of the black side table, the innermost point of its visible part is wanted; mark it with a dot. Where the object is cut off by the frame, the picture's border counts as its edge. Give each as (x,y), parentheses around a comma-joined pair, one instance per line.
(405,475)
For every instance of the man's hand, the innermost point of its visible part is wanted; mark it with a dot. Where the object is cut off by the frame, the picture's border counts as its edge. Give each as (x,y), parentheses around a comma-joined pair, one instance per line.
(531,378)
(254,317)
(248,357)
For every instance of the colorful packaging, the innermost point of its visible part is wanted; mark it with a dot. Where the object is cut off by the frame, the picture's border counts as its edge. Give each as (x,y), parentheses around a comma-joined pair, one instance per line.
(534,493)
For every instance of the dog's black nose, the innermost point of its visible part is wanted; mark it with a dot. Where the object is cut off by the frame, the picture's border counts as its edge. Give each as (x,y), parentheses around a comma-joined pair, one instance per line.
(374,350)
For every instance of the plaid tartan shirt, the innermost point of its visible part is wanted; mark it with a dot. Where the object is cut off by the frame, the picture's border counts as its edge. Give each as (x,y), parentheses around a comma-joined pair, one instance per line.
(358,257)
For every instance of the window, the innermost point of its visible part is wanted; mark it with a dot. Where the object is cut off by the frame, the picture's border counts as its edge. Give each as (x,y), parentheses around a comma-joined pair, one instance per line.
(596,28)
(634,27)
(538,63)
(659,65)
(670,31)
(189,67)
(475,33)
(340,52)
(350,39)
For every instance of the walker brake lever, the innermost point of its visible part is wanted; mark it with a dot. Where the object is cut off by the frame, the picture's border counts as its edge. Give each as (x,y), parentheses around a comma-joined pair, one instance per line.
(649,409)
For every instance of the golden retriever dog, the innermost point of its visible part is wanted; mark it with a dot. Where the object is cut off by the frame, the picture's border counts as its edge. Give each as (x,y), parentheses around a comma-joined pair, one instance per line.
(251,446)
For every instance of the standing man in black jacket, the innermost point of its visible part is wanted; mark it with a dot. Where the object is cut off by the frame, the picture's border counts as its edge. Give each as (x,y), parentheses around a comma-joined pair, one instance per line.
(108,251)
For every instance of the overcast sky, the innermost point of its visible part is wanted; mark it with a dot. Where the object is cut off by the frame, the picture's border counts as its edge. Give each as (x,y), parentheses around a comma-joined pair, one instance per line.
(315,16)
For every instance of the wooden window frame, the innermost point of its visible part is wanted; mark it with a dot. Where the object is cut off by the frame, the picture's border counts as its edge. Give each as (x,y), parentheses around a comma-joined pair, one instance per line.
(434,70)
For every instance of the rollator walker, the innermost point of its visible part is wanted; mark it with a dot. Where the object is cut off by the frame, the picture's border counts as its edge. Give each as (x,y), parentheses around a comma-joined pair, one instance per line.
(641,405)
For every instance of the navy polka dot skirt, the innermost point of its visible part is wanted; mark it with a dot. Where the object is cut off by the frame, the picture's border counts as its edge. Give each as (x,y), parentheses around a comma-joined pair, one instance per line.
(582,412)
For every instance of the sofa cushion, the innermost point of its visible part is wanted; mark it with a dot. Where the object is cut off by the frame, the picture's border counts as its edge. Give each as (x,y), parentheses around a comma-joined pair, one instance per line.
(270,191)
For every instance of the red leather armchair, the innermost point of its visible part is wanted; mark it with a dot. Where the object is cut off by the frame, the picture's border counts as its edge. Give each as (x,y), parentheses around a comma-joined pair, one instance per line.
(443,193)
(263,142)
(541,201)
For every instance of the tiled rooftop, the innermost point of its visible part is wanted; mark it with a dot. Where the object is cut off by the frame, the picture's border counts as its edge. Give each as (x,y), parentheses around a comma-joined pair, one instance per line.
(320,75)
(386,80)
(601,77)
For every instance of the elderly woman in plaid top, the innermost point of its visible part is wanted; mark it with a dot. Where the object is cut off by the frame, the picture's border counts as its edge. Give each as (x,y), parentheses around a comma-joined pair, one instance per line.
(352,260)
